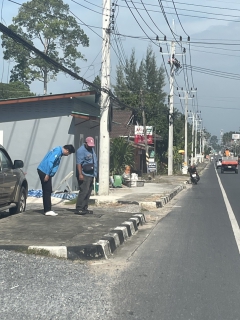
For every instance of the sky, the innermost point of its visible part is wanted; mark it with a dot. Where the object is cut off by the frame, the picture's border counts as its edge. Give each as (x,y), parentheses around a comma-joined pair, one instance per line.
(212,54)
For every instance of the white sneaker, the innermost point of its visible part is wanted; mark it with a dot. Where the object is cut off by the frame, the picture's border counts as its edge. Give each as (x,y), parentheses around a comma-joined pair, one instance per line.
(51,213)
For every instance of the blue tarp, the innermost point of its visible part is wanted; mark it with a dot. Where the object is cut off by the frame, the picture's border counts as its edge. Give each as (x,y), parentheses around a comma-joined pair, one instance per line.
(62,195)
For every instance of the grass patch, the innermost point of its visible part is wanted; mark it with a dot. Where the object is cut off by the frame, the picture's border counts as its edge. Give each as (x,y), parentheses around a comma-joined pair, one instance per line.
(91,202)
(35,251)
(73,201)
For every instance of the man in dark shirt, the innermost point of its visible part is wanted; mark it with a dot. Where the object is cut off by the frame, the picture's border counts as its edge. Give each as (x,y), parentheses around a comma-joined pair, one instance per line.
(86,161)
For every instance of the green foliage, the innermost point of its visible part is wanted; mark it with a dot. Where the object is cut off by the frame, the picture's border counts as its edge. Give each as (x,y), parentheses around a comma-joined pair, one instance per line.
(214,143)
(121,154)
(47,23)
(97,82)
(148,78)
(14,90)
(227,138)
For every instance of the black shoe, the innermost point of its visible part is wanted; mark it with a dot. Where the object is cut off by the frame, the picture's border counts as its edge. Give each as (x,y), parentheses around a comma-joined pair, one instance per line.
(88,211)
(81,212)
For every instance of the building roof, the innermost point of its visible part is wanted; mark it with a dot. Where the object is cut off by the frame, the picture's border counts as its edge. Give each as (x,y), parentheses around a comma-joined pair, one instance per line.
(81,103)
(121,126)
(82,95)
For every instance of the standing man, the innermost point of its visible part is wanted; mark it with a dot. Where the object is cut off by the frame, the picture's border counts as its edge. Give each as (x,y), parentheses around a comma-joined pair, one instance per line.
(86,171)
(47,169)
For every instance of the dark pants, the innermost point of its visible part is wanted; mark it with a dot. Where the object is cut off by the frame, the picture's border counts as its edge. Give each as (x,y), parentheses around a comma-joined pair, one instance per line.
(47,190)
(85,190)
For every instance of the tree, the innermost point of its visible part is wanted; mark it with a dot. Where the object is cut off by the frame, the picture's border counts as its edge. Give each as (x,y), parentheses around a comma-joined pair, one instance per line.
(14,90)
(148,78)
(214,143)
(97,82)
(121,155)
(227,138)
(49,23)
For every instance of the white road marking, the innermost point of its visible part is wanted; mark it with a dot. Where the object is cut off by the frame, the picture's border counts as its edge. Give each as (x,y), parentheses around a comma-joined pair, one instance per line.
(231,215)
(177,206)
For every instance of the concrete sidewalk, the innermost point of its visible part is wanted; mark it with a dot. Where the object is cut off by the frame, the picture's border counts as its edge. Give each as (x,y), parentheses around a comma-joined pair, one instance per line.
(116,218)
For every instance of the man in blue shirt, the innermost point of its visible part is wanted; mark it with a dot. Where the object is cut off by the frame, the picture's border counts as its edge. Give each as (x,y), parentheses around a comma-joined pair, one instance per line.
(47,169)
(86,162)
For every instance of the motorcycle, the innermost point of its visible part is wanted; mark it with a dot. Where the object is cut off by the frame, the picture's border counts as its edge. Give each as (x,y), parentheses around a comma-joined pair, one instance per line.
(194,178)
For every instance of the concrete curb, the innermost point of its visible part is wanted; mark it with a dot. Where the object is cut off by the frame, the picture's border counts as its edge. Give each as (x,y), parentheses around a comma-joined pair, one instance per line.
(158,203)
(102,249)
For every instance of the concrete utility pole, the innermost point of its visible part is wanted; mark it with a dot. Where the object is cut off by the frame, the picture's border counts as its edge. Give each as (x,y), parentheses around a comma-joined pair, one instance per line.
(201,160)
(193,126)
(197,120)
(186,98)
(170,129)
(104,141)
(174,65)
(144,128)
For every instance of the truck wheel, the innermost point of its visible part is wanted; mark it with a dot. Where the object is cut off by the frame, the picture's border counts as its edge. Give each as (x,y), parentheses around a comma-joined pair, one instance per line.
(21,204)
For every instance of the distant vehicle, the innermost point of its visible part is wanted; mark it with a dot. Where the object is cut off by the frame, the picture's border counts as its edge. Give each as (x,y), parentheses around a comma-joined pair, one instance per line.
(229,164)
(219,163)
(13,184)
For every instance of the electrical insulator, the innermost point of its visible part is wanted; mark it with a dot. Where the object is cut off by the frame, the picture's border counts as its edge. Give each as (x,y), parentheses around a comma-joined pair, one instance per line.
(160,49)
(173,56)
(157,38)
(165,38)
(180,38)
(188,38)
(184,50)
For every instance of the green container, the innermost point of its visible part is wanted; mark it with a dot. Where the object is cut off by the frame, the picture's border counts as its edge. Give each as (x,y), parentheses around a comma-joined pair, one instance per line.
(117,181)
(96,187)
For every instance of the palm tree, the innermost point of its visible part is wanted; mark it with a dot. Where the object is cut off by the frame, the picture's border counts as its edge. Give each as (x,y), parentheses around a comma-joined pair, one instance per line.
(121,155)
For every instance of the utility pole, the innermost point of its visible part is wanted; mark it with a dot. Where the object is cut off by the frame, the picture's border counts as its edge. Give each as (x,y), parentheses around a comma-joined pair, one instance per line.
(201,144)
(174,66)
(104,141)
(170,122)
(144,127)
(193,126)
(197,120)
(186,98)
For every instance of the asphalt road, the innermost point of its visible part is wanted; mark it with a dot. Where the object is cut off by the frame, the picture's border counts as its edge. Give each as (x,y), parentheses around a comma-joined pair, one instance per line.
(189,267)
(186,268)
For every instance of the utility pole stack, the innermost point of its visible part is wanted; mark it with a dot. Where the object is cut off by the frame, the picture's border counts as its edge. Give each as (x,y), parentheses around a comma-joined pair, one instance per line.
(170,134)
(186,98)
(174,66)
(104,141)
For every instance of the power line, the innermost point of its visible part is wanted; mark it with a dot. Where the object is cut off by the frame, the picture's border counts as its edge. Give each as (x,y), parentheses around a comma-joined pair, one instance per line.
(86,7)
(179,18)
(56,64)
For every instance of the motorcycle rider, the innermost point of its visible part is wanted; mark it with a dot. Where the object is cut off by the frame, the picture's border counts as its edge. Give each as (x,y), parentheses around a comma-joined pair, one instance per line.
(193,170)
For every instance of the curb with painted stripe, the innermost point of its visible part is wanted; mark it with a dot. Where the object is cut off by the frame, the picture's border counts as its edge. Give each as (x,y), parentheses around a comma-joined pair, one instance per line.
(102,249)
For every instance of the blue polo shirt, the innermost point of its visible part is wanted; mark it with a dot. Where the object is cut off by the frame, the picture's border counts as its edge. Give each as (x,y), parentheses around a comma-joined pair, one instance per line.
(85,156)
